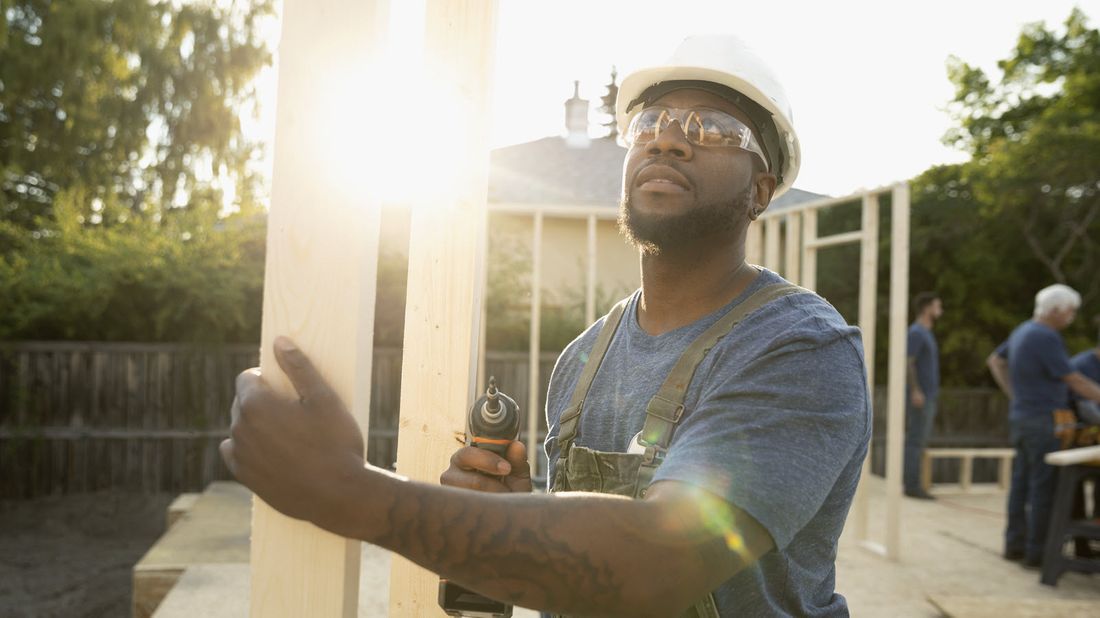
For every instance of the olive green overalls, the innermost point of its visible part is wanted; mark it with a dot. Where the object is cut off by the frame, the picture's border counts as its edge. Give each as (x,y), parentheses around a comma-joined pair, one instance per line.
(629,474)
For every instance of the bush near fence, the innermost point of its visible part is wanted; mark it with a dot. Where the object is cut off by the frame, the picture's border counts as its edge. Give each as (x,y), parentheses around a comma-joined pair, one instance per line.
(79,416)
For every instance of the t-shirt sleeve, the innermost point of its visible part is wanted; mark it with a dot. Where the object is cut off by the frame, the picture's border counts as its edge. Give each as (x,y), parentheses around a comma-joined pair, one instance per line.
(1052,355)
(914,344)
(1002,350)
(774,438)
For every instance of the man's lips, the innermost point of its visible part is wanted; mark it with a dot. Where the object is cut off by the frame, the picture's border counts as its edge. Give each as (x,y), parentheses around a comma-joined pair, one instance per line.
(661,179)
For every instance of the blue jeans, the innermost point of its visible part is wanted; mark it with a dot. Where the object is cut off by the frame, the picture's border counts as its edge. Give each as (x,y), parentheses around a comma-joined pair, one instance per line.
(918,427)
(1033,482)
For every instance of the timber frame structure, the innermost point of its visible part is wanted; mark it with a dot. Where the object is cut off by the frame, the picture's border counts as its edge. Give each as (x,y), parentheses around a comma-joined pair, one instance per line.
(794,231)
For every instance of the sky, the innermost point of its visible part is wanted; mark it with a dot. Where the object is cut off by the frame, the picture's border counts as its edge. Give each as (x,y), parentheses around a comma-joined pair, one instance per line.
(867,79)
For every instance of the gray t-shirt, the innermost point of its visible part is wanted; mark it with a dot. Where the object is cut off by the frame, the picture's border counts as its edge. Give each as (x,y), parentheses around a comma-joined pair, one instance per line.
(777,421)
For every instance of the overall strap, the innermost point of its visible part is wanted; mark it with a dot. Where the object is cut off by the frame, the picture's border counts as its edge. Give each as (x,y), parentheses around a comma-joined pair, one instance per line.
(570,417)
(667,406)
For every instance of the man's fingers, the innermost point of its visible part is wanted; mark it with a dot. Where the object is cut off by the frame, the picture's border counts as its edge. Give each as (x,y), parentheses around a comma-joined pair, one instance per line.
(465,479)
(480,460)
(517,458)
(248,380)
(311,387)
(226,450)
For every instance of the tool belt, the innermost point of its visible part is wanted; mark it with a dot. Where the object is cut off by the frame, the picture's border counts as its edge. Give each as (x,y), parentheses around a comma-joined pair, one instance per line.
(629,474)
(1073,434)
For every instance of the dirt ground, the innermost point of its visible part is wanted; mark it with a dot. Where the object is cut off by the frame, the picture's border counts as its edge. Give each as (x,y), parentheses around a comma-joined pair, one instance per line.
(71,556)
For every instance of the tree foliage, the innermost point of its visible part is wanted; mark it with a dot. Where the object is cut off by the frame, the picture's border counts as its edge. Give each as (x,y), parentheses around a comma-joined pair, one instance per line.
(181,280)
(134,99)
(1034,137)
(120,151)
(1022,213)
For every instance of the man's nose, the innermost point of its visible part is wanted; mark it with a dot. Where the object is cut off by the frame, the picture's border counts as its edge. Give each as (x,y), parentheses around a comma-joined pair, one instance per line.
(670,141)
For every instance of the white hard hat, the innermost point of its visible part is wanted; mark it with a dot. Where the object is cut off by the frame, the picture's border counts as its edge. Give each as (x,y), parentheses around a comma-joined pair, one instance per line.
(725,60)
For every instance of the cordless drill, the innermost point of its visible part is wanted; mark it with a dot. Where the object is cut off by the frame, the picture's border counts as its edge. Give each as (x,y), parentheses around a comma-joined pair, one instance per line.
(492,424)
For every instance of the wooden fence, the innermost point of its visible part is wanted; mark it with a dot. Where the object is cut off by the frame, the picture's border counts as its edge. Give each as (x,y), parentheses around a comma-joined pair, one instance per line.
(78,417)
(965,417)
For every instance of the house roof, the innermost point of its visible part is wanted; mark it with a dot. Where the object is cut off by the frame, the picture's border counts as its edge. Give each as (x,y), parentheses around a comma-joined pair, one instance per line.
(550,171)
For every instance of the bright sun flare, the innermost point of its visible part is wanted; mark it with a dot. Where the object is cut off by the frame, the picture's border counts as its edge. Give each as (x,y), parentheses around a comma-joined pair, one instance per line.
(395,130)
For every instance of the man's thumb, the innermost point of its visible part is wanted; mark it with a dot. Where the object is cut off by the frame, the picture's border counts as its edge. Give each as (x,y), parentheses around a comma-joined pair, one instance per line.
(307,381)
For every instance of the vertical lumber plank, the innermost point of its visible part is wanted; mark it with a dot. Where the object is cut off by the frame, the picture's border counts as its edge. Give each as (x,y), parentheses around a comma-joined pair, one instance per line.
(899,322)
(966,472)
(445,248)
(319,288)
(534,344)
(771,243)
(868,295)
(1004,473)
(809,252)
(794,248)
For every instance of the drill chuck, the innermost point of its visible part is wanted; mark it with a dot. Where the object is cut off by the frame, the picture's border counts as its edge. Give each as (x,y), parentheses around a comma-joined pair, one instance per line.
(494,420)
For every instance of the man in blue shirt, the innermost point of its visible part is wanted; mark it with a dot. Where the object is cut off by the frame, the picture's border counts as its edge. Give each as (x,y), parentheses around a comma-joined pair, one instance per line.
(1088,413)
(1088,364)
(1032,367)
(923,386)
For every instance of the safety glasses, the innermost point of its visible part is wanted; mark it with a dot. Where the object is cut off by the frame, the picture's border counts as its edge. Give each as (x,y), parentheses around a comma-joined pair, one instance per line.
(701,126)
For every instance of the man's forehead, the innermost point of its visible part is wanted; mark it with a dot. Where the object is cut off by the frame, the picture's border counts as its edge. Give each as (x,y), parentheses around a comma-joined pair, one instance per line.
(694,97)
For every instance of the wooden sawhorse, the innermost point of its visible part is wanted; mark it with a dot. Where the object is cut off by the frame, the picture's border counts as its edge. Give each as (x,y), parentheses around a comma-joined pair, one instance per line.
(1077,464)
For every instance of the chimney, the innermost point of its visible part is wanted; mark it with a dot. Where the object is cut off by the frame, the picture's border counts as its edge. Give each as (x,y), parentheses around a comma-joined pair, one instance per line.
(576,119)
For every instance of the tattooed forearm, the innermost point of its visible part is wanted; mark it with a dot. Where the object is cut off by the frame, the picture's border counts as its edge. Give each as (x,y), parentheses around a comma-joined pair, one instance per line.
(578,554)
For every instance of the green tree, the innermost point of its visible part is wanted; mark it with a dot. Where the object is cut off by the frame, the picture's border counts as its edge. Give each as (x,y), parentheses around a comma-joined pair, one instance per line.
(120,147)
(180,280)
(134,99)
(1034,136)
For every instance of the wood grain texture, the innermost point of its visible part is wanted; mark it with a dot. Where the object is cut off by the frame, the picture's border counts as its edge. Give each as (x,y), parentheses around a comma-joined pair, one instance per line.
(446,251)
(319,284)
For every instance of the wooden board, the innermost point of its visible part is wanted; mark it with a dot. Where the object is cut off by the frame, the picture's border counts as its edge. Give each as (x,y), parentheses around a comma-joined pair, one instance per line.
(1073,456)
(214,530)
(446,248)
(319,287)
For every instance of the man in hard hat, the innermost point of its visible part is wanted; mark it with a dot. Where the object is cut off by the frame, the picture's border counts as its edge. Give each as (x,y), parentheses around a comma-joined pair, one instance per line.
(706,436)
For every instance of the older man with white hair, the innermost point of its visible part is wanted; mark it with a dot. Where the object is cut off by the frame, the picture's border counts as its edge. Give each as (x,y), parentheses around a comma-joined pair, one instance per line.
(1033,368)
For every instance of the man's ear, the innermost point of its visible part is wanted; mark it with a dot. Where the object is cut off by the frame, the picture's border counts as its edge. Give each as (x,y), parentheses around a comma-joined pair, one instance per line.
(764,185)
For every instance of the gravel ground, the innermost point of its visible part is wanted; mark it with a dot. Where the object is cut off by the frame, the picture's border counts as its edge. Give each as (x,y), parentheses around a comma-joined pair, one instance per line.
(71,556)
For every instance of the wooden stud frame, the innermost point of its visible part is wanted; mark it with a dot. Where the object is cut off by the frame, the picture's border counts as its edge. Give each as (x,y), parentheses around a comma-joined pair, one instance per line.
(867,236)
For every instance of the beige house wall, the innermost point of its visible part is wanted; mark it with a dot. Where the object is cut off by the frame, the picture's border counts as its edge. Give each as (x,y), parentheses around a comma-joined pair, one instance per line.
(564,252)
(565,256)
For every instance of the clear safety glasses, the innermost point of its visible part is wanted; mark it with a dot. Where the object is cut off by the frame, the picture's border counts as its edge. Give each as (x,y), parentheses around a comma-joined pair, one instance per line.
(701,126)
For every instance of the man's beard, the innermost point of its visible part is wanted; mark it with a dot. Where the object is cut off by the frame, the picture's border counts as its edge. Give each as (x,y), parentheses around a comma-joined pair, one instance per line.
(653,234)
